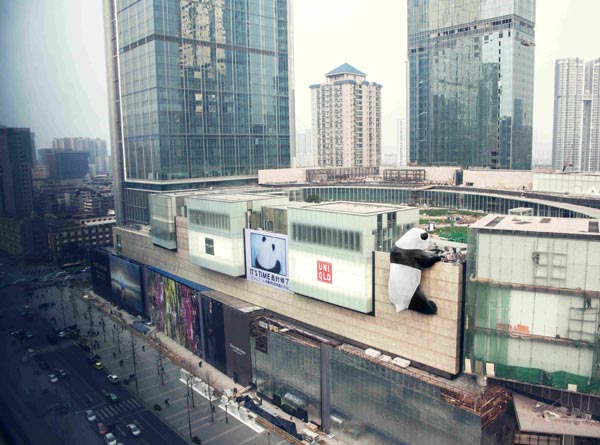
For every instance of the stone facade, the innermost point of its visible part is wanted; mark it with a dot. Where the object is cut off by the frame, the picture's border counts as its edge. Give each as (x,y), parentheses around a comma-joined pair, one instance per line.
(433,341)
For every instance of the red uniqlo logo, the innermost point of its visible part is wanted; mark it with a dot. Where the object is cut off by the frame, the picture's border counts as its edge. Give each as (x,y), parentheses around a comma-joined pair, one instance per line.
(324,271)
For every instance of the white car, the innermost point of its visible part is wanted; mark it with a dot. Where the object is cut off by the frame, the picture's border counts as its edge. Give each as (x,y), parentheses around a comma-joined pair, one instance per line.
(52,378)
(113,378)
(133,429)
(90,415)
(110,439)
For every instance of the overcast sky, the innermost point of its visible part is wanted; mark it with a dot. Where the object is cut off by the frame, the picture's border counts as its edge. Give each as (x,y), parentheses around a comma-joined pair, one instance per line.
(53,78)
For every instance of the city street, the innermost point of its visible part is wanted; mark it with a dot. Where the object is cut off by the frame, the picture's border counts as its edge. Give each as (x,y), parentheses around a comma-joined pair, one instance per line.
(59,408)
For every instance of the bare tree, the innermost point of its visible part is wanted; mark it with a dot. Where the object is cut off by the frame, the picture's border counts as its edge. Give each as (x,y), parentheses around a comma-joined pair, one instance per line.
(160,368)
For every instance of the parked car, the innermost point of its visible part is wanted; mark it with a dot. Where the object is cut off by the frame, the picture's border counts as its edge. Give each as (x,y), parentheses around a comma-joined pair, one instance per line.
(133,429)
(90,415)
(52,378)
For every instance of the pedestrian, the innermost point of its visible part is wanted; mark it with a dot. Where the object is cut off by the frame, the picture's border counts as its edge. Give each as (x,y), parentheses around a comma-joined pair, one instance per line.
(143,347)
(121,363)
(114,355)
(166,402)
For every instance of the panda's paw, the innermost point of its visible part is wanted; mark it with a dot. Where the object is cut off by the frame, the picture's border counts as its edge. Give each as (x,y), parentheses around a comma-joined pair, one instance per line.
(432,307)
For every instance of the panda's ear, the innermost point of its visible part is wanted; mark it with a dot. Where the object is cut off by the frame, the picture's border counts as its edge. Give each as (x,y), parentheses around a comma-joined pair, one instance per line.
(424,236)
(264,238)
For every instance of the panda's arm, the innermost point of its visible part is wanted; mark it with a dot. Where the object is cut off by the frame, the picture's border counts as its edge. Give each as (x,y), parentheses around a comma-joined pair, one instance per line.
(425,258)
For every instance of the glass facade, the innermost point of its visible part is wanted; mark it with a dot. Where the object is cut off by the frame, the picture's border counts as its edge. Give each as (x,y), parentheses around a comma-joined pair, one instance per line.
(476,201)
(471,82)
(362,401)
(289,374)
(201,88)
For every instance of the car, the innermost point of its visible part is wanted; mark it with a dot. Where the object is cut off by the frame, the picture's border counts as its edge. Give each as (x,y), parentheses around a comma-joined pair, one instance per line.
(16,332)
(90,415)
(110,439)
(28,334)
(133,429)
(52,378)
(102,428)
(113,378)
(52,338)
(61,372)
(30,350)
(112,397)
(98,365)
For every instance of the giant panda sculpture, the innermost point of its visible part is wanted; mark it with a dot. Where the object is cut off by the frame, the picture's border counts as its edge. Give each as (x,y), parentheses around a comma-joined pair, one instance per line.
(268,257)
(408,258)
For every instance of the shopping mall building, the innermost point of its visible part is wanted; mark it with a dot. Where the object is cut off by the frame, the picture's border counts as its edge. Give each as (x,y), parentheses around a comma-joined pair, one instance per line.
(291,297)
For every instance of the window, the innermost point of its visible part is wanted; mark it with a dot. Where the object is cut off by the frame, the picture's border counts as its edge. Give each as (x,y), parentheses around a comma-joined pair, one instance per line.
(209,246)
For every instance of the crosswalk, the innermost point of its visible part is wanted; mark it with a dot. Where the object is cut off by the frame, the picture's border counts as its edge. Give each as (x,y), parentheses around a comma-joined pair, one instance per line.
(117,409)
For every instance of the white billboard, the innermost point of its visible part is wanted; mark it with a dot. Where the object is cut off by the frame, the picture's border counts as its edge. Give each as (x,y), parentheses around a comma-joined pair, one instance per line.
(267,258)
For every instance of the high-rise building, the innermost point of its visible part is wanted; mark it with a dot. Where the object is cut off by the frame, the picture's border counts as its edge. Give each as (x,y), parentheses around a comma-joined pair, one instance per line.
(346,120)
(16,162)
(471,82)
(400,142)
(576,142)
(304,153)
(198,95)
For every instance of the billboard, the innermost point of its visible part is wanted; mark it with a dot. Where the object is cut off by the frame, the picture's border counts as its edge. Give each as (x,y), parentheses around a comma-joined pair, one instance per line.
(213,325)
(267,258)
(100,272)
(175,310)
(126,285)
(237,345)
(333,277)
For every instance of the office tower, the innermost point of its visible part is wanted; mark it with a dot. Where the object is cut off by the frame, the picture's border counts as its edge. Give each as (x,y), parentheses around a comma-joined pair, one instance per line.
(346,120)
(575,142)
(400,143)
(16,162)
(199,95)
(471,82)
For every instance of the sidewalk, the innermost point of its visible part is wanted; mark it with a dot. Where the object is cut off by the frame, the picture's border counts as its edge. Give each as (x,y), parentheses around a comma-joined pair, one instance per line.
(187,360)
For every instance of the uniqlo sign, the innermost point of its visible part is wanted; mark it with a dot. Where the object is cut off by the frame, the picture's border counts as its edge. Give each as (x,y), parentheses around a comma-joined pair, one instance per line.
(324,272)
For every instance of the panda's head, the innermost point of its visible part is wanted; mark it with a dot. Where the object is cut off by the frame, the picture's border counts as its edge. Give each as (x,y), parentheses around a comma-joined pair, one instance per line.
(267,255)
(414,239)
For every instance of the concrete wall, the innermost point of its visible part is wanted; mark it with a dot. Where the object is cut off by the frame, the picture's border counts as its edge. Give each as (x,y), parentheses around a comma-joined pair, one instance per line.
(569,183)
(430,340)
(282,176)
(500,179)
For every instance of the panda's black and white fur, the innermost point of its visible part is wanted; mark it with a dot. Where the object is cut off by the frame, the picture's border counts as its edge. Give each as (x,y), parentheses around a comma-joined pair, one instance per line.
(408,258)
(267,258)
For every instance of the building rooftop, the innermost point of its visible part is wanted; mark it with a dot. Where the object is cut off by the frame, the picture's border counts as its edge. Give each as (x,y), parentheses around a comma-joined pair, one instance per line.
(354,208)
(538,417)
(345,69)
(234,197)
(518,223)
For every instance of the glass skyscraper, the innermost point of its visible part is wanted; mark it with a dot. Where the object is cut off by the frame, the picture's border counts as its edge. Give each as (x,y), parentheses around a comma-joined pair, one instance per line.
(471,82)
(199,94)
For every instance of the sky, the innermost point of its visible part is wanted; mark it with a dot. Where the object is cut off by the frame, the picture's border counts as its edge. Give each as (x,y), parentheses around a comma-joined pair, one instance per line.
(53,76)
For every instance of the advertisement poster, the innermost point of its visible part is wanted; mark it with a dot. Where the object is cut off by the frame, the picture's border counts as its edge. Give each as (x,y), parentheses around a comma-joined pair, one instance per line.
(100,273)
(175,309)
(126,284)
(267,258)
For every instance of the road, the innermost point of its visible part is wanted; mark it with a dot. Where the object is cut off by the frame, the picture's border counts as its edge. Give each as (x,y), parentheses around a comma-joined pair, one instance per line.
(158,380)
